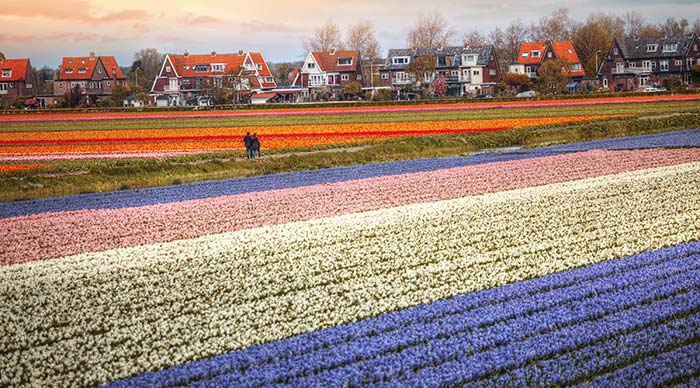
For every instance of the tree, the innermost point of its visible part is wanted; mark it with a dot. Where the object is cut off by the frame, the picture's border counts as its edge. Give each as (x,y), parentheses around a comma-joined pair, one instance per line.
(361,36)
(695,73)
(516,81)
(673,27)
(75,96)
(118,95)
(438,88)
(696,26)
(553,76)
(557,26)
(515,33)
(145,69)
(430,31)
(634,23)
(353,88)
(41,76)
(589,39)
(325,38)
(421,67)
(474,38)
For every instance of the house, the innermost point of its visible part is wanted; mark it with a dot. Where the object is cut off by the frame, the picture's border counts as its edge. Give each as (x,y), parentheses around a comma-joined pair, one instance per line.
(97,76)
(332,70)
(531,55)
(16,78)
(184,76)
(636,63)
(467,70)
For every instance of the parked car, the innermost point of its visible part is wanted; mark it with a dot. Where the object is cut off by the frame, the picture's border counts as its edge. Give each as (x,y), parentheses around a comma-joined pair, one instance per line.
(653,89)
(528,93)
(483,96)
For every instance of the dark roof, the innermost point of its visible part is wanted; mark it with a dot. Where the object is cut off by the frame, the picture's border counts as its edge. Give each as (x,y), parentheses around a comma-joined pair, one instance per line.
(484,53)
(636,48)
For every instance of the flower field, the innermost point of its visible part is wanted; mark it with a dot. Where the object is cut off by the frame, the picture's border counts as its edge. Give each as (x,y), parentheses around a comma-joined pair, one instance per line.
(574,264)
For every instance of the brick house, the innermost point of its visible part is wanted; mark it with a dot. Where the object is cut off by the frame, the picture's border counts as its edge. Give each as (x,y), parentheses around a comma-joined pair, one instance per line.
(16,78)
(467,70)
(97,76)
(531,55)
(636,63)
(191,75)
(331,69)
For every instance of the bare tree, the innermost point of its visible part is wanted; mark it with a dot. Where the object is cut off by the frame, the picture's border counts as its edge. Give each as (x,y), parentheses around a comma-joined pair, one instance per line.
(515,33)
(557,26)
(634,23)
(613,24)
(673,27)
(474,38)
(430,31)
(145,68)
(696,26)
(361,36)
(325,38)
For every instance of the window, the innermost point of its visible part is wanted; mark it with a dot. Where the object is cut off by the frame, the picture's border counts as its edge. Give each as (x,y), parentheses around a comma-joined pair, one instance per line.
(528,69)
(359,76)
(29,86)
(576,67)
(525,55)
(549,54)
(643,81)
(689,62)
(109,83)
(70,61)
(620,67)
(670,47)
(12,85)
(6,73)
(316,79)
(186,67)
(695,47)
(385,75)
(605,82)
(616,51)
(187,81)
(455,73)
(401,76)
(679,63)
(570,52)
(400,60)
(646,65)
(536,53)
(663,65)
(442,61)
(344,61)
(269,80)
(3,87)
(476,72)
(69,71)
(201,68)
(492,71)
(60,84)
(217,67)
(82,70)
(258,66)
(651,48)
(344,77)
(310,65)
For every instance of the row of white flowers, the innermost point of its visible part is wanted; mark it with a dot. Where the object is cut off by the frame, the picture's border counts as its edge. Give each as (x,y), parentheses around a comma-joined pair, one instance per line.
(91,318)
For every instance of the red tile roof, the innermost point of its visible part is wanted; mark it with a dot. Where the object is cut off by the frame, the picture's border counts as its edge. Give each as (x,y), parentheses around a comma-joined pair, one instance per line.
(293,76)
(185,64)
(258,59)
(328,61)
(565,50)
(529,47)
(17,66)
(71,67)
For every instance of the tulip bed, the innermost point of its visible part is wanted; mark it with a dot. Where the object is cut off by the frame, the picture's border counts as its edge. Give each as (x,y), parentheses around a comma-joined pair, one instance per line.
(562,265)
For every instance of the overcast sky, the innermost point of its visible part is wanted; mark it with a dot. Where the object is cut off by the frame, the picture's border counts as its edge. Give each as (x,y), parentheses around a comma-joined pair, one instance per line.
(45,31)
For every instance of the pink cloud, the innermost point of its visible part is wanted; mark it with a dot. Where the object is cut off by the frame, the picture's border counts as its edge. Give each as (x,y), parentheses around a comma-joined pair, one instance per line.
(81,11)
(190,19)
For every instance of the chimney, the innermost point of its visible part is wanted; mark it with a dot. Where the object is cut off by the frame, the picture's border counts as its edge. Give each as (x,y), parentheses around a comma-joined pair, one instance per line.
(333,51)
(240,52)
(186,54)
(92,55)
(213,53)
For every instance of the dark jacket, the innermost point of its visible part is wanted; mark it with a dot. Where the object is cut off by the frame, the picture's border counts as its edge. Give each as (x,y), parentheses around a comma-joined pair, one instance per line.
(255,143)
(248,141)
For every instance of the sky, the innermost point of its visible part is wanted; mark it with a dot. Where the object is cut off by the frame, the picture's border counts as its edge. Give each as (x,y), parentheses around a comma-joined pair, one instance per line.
(45,31)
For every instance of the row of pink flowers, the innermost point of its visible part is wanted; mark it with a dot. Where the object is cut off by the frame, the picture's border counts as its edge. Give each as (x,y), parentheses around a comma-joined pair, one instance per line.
(51,235)
(380,109)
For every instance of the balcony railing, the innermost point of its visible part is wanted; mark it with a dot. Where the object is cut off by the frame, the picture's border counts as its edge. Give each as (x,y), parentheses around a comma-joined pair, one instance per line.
(632,70)
(171,89)
(401,81)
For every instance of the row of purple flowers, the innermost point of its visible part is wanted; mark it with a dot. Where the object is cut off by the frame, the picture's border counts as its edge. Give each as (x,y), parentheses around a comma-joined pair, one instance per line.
(199,190)
(599,323)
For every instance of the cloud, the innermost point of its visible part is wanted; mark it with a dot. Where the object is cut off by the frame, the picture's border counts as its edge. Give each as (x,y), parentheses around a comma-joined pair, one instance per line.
(191,19)
(82,11)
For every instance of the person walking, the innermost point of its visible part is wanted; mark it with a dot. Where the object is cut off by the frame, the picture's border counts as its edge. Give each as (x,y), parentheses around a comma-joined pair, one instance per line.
(248,141)
(255,145)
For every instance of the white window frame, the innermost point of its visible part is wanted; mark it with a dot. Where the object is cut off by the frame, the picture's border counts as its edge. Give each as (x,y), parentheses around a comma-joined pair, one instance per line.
(476,72)
(82,70)
(258,66)
(576,67)
(525,55)
(99,70)
(310,65)
(492,71)
(663,65)
(605,82)
(317,79)
(619,67)
(616,51)
(400,60)
(646,65)
(385,75)
(643,81)
(109,83)
(345,77)
(218,67)
(401,76)
(455,73)
(536,54)
(3,87)
(689,62)
(7,73)
(345,64)
(29,86)
(269,80)
(679,62)
(652,48)
(670,47)
(359,77)
(69,71)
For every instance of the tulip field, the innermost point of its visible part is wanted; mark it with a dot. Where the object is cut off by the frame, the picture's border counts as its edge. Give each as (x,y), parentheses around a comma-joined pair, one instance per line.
(565,265)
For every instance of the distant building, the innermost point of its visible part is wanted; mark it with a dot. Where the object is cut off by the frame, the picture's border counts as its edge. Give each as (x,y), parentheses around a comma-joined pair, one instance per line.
(332,70)
(467,70)
(187,75)
(531,55)
(96,76)
(16,78)
(636,63)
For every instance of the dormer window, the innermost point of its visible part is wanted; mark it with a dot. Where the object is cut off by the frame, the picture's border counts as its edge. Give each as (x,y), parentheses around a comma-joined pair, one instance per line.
(670,47)
(651,48)
(218,67)
(536,53)
(400,60)
(69,71)
(186,68)
(82,62)
(6,73)
(82,70)
(525,55)
(269,80)
(70,61)
(201,68)
(258,66)
(344,61)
